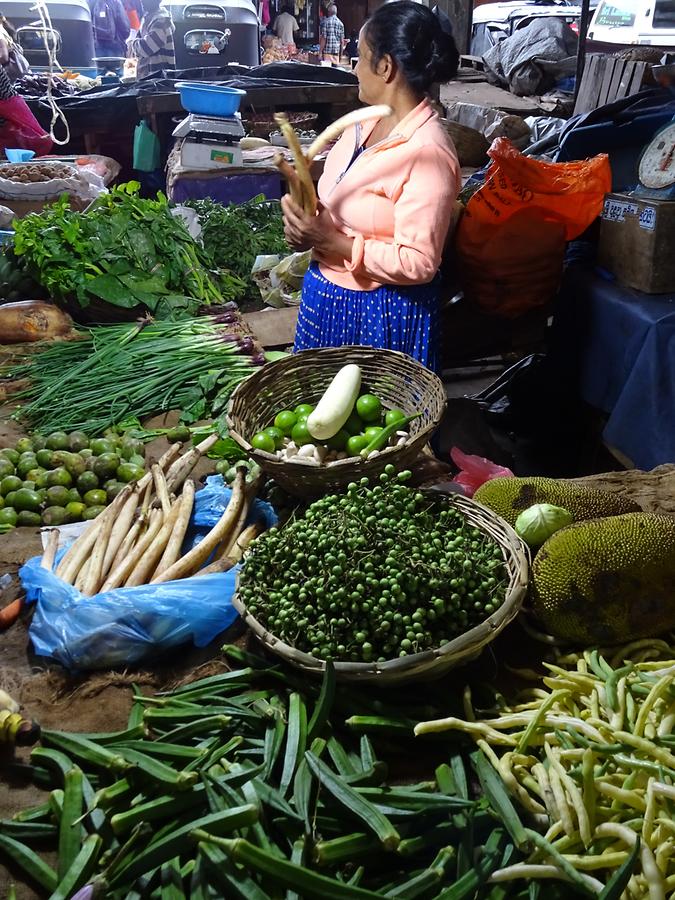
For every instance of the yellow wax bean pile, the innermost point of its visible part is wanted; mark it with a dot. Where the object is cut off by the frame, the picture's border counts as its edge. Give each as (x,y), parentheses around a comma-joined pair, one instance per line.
(589,756)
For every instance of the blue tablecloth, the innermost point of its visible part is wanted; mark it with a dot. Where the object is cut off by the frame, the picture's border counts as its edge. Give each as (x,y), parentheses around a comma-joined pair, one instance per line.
(620,345)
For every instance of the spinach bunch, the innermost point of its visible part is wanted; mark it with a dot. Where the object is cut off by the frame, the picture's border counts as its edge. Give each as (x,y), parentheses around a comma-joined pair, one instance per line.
(234,235)
(127,251)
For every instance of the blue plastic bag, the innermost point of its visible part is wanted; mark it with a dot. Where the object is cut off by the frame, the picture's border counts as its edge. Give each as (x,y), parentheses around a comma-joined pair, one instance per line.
(128,624)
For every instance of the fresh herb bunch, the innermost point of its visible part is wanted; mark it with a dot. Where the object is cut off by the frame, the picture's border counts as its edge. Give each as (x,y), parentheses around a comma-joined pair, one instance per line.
(127,251)
(234,235)
(376,573)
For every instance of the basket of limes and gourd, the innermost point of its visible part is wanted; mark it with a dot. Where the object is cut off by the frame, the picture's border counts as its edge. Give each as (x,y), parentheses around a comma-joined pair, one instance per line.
(319,419)
(61,478)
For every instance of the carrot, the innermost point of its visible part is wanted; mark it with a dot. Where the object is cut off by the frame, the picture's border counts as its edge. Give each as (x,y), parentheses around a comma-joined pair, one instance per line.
(10,613)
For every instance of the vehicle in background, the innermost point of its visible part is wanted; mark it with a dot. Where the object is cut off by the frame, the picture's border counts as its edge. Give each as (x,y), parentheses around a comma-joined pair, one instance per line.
(492,22)
(627,23)
(70,36)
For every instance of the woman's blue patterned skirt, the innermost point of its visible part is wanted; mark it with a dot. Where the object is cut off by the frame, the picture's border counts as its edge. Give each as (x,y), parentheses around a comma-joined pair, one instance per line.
(391,317)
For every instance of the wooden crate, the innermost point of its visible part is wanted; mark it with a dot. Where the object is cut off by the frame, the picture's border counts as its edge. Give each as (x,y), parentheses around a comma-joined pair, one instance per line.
(606,79)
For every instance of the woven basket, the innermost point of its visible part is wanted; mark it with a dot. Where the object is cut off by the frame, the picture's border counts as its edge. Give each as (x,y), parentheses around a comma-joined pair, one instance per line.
(431,663)
(399,381)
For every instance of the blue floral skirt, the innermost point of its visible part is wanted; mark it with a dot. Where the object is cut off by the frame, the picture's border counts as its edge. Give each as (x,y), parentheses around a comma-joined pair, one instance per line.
(395,318)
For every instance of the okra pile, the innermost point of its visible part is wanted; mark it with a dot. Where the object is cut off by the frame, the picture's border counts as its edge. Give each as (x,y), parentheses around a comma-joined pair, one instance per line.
(382,571)
(239,786)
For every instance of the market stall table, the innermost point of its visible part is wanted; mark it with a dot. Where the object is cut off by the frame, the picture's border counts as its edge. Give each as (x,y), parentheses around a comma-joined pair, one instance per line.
(619,344)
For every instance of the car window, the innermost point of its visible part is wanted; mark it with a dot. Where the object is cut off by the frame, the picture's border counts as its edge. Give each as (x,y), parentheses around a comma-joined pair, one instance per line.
(617,14)
(664,14)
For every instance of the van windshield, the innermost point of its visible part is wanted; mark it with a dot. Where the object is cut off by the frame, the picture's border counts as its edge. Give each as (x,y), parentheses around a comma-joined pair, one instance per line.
(616,14)
(664,14)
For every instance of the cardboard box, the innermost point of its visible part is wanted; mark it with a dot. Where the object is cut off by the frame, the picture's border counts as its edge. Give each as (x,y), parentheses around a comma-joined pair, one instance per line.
(637,242)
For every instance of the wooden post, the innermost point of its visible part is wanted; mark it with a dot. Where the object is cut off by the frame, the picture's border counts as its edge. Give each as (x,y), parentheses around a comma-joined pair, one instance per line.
(584,22)
(460,13)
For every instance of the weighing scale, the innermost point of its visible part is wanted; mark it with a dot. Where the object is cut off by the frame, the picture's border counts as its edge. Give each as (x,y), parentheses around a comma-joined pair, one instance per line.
(656,170)
(210,142)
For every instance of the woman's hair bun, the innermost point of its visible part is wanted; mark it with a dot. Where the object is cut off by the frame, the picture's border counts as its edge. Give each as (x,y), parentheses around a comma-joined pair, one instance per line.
(415,39)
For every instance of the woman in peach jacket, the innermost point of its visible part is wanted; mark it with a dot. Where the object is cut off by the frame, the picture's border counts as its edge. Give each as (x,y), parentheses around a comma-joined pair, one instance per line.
(386,198)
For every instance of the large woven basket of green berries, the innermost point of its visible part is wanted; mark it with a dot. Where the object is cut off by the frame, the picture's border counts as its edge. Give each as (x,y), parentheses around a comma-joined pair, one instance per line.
(390,583)
(319,419)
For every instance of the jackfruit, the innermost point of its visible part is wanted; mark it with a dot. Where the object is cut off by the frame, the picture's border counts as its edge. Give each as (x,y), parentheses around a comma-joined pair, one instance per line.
(508,497)
(607,581)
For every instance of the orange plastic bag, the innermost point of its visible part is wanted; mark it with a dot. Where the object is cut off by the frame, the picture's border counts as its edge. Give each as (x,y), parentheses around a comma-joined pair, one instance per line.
(511,237)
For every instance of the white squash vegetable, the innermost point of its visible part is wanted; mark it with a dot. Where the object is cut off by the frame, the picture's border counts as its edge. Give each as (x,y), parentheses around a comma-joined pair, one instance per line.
(334,408)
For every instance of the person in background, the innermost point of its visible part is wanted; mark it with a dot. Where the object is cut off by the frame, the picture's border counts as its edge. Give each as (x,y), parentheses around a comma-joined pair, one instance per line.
(352,47)
(286,25)
(331,36)
(153,47)
(386,196)
(134,11)
(111,27)
(12,59)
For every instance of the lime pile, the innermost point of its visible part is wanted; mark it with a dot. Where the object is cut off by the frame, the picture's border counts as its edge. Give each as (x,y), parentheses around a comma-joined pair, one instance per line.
(63,478)
(367,419)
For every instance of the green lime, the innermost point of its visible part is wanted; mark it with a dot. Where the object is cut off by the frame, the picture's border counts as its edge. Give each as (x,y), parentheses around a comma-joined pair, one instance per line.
(38,440)
(137,460)
(28,518)
(96,497)
(180,434)
(86,453)
(113,489)
(132,447)
(392,416)
(372,432)
(57,495)
(8,516)
(9,498)
(277,436)
(11,455)
(72,462)
(59,476)
(44,458)
(300,434)
(6,468)
(41,480)
(58,440)
(87,481)
(285,420)
(2,503)
(28,485)
(91,512)
(25,464)
(9,483)
(129,472)
(263,441)
(356,444)
(106,465)
(338,441)
(74,496)
(99,446)
(27,499)
(78,440)
(354,424)
(35,474)
(24,445)
(54,515)
(303,409)
(74,512)
(369,408)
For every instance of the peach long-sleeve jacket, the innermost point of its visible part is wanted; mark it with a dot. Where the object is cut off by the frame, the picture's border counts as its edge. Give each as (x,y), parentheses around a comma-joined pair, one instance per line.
(395,200)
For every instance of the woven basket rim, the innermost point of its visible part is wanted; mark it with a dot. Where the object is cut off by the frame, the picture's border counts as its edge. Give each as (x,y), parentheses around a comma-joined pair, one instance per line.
(470,643)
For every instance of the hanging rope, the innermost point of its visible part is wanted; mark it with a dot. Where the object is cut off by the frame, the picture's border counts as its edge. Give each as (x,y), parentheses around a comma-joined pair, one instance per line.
(54,65)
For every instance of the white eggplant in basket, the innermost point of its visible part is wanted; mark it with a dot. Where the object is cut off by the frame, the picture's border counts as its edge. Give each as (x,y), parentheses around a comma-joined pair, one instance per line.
(334,408)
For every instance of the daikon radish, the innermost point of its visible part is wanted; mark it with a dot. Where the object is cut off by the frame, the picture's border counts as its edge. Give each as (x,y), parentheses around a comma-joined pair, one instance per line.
(225,563)
(128,542)
(303,192)
(147,563)
(48,557)
(161,488)
(334,131)
(182,467)
(93,579)
(336,405)
(173,548)
(122,571)
(220,532)
(81,579)
(120,530)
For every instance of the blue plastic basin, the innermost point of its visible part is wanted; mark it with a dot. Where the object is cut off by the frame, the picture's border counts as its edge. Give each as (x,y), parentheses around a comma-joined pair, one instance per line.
(19,156)
(209,99)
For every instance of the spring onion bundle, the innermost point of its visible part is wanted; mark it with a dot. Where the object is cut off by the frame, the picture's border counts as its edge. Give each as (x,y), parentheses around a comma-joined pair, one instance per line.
(116,371)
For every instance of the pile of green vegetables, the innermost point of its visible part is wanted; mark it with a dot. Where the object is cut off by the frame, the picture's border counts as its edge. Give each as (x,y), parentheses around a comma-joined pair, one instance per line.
(239,786)
(377,573)
(235,235)
(126,251)
(119,371)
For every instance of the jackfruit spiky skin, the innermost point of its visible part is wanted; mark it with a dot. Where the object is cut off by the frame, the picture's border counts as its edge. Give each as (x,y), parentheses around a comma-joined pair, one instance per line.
(508,497)
(607,581)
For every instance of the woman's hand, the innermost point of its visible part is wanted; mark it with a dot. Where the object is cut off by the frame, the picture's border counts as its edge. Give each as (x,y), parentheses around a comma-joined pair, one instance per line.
(304,232)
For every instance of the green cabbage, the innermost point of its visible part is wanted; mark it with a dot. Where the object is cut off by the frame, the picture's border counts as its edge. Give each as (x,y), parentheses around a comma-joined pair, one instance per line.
(536,524)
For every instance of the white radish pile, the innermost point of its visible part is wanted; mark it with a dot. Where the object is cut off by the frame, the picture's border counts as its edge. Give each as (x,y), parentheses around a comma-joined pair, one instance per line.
(138,538)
